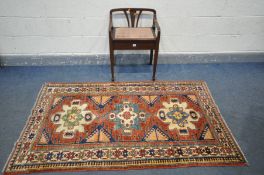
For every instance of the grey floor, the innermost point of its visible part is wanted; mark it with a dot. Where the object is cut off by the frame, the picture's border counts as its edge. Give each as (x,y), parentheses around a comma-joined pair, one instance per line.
(238,89)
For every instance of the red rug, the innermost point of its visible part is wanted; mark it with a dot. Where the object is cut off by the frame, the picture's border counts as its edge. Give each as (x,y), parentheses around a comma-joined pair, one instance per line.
(120,126)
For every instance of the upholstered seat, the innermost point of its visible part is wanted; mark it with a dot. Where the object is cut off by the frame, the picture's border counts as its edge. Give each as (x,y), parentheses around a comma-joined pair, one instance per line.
(127,33)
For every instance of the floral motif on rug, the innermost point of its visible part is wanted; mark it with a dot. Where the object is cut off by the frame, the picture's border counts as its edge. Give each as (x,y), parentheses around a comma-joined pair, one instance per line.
(130,125)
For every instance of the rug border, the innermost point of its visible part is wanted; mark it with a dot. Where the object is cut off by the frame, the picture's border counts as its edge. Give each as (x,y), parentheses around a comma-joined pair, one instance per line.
(46,84)
(129,82)
(227,127)
(24,128)
(195,165)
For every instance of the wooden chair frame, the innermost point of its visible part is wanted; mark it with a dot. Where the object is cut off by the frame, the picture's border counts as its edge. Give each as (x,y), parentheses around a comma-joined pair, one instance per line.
(136,43)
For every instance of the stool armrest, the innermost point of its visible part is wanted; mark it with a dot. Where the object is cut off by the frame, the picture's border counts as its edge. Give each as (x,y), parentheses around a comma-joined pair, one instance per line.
(110,27)
(156,25)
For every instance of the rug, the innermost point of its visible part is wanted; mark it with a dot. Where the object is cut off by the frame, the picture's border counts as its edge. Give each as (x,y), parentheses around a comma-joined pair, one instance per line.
(120,126)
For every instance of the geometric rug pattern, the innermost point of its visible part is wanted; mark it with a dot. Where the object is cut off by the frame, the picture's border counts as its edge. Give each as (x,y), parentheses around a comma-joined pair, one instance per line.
(126,125)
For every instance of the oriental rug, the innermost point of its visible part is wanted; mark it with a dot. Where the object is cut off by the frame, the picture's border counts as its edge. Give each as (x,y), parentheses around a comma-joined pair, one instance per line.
(120,126)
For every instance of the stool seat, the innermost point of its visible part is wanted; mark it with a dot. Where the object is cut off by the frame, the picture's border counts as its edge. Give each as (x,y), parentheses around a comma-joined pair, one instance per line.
(128,33)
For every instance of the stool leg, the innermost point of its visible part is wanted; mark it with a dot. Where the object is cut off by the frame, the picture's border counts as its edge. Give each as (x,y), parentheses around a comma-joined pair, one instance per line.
(155,64)
(112,63)
(151,56)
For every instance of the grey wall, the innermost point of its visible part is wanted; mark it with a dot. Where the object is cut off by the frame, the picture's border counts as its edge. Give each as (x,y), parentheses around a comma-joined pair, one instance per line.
(80,26)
